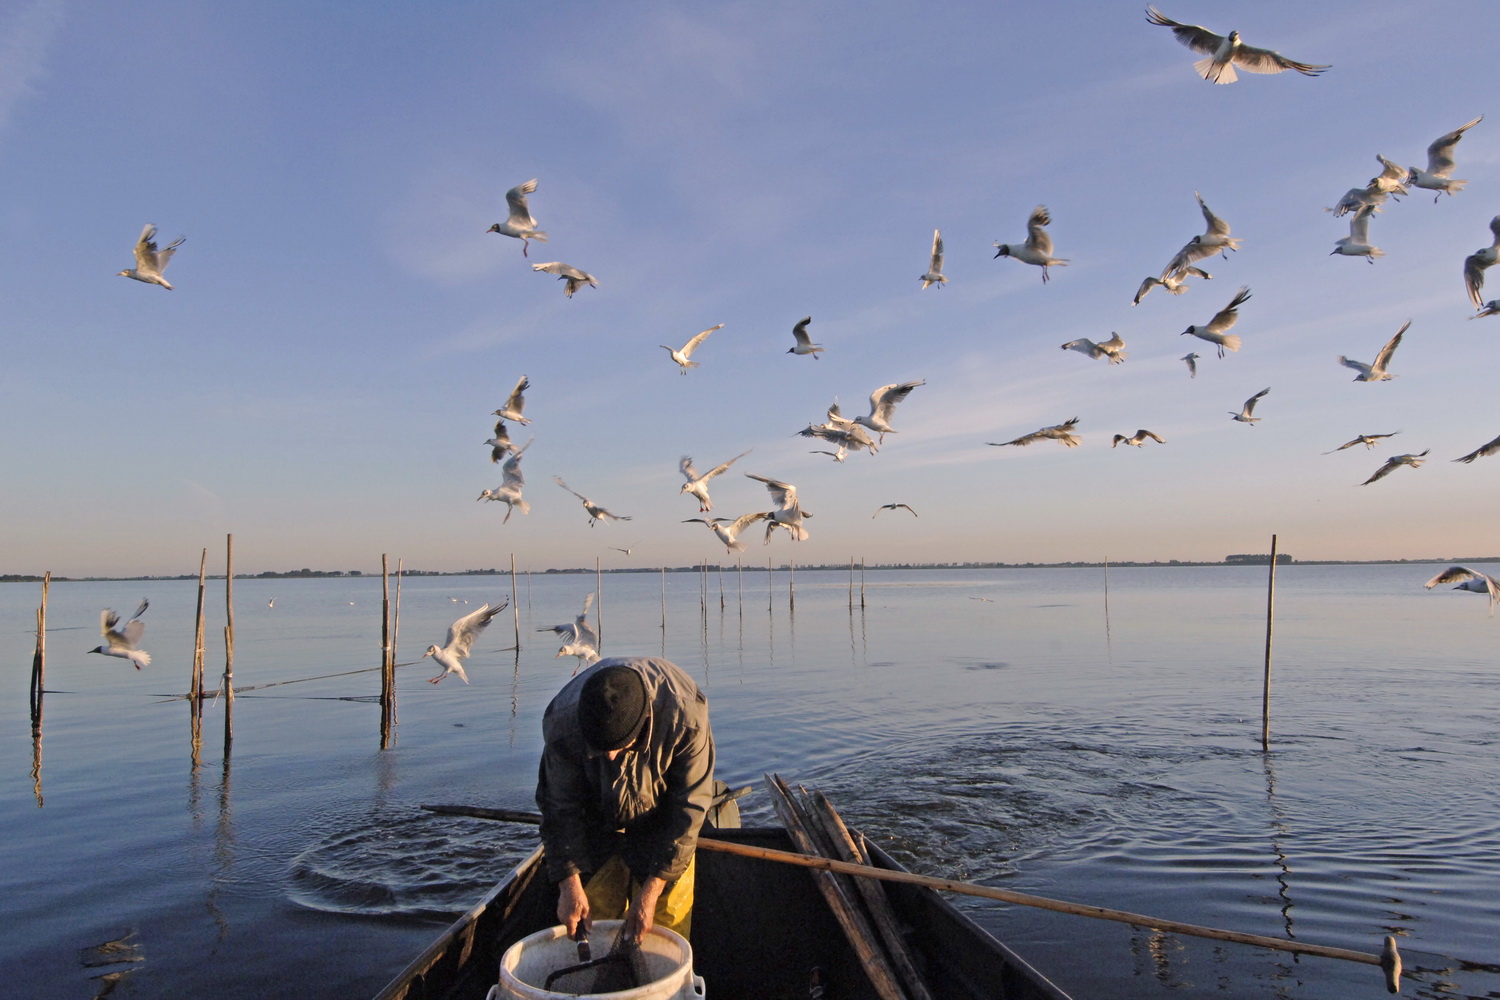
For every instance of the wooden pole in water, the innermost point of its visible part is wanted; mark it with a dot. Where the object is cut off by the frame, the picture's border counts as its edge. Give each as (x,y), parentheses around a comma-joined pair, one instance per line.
(195,683)
(385,651)
(514,607)
(39,658)
(739,569)
(1265,698)
(791,584)
(599,603)
(396,633)
(721,588)
(851,583)
(770,589)
(664,600)
(861,582)
(228,621)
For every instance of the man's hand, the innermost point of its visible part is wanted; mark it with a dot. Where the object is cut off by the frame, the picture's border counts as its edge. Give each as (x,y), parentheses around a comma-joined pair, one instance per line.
(573,905)
(642,914)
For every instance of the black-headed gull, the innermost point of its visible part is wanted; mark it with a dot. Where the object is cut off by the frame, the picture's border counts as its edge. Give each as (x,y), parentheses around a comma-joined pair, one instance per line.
(683,356)
(1191,360)
(804,343)
(149,261)
(519,224)
(1376,372)
(515,403)
(788,513)
(461,635)
(882,405)
(124,640)
(1038,246)
(1395,462)
(934,275)
(1490,308)
(1471,580)
(578,636)
(1174,282)
(1057,432)
(1368,440)
(1244,416)
(1214,331)
(698,485)
(500,443)
(1440,164)
(1225,52)
(728,531)
(893,506)
(1138,439)
(1483,451)
(512,481)
(1214,239)
(574,278)
(1357,243)
(596,512)
(1480,261)
(1113,348)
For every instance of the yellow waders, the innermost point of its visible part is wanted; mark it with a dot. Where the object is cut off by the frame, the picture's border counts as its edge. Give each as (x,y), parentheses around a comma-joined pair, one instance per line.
(611,889)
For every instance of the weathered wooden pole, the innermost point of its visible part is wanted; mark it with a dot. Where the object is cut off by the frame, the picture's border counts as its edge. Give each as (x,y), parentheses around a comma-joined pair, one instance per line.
(791,584)
(1265,699)
(39,657)
(721,588)
(228,622)
(599,604)
(861,582)
(386,680)
(739,569)
(195,683)
(396,637)
(515,607)
(664,600)
(851,583)
(770,589)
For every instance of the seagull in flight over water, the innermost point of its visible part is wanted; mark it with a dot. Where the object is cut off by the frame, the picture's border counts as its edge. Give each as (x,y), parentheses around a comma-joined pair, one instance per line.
(516,403)
(1244,416)
(519,223)
(1395,462)
(1471,580)
(149,261)
(934,275)
(499,443)
(1215,330)
(509,490)
(893,506)
(1038,246)
(1480,261)
(682,356)
(788,513)
(1225,52)
(698,485)
(1175,281)
(574,278)
(1113,348)
(461,635)
(1138,439)
(1357,243)
(1214,239)
(1483,451)
(728,531)
(882,405)
(579,637)
(1192,363)
(1058,432)
(1440,164)
(1375,372)
(804,343)
(596,512)
(124,641)
(1368,440)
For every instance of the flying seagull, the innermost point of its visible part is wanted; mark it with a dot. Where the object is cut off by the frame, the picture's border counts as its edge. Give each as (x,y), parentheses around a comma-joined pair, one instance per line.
(728,531)
(1138,439)
(596,512)
(1214,330)
(499,443)
(804,340)
(516,403)
(893,506)
(509,490)
(1226,52)
(838,456)
(461,635)
(1389,182)
(1244,416)
(882,405)
(1440,164)
(788,513)
(1175,281)
(1368,440)
(124,641)
(1357,243)
(1395,462)
(519,224)
(1480,261)
(149,261)
(1491,308)
(1038,246)
(1376,372)
(579,637)
(1483,451)
(682,356)
(1057,432)
(1214,239)
(1471,580)
(1192,364)
(1113,348)
(934,275)
(698,485)
(575,278)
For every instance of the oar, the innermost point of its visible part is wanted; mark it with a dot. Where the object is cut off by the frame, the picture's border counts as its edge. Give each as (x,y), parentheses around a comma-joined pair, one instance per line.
(1388,960)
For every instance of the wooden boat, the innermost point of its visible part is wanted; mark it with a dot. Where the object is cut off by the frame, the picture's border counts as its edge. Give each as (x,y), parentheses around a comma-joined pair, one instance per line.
(759,930)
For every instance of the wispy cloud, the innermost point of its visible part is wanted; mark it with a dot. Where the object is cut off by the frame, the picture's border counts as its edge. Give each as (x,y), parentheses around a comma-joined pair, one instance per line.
(24,40)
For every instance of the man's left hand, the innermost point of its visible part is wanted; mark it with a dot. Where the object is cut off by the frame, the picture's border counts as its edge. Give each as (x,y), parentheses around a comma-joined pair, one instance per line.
(642,915)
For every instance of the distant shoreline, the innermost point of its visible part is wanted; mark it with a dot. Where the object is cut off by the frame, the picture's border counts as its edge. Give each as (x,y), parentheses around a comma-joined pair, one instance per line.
(811,567)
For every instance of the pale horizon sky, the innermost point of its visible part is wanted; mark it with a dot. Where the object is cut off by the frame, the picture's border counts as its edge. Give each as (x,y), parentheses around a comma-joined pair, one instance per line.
(321,380)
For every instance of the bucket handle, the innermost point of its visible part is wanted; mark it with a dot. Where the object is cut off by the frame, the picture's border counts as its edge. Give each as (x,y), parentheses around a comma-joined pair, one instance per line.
(698,987)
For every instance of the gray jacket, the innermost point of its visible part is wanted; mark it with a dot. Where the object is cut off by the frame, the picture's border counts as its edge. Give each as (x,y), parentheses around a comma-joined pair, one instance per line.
(647,804)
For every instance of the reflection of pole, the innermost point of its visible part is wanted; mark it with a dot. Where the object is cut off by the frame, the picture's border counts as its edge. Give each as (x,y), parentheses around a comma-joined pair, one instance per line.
(1278,829)
(1265,702)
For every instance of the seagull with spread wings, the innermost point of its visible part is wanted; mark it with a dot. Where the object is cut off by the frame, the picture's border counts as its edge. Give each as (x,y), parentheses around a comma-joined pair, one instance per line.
(728,531)
(149,261)
(1038,246)
(1471,580)
(1480,261)
(1357,243)
(574,278)
(499,443)
(883,405)
(804,343)
(519,222)
(1214,239)
(1191,360)
(788,513)
(893,506)
(579,638)
(934,275)
(1376,371)
(1174,282)
(509,490)
(515,403)
(1395,462)
(1057,432)
(596,512)
(1113,348)
(682,356)
(698,485)
(1437,177)
(124,640)
(1244,416)
(1225,52)
(1368,440)
(461,636)
(1138,439)
(1483,451)
(1215,331)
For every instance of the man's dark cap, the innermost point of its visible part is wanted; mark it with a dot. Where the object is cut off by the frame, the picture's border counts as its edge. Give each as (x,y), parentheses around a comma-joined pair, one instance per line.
(612,708)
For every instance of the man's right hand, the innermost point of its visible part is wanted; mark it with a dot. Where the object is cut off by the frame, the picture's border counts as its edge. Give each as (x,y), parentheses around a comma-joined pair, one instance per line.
(573,906)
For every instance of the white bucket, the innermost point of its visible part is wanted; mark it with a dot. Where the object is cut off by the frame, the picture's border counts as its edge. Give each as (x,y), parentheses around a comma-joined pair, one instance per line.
(526,964)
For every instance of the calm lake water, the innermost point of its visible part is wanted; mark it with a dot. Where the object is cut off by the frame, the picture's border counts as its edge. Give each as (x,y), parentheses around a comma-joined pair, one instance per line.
(1024,728)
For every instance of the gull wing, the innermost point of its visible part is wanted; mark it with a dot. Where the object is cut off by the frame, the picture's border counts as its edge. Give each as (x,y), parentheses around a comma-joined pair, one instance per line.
(1455,574)
(936,266)
(145,248)
(1385,470)
(516,402)
(461,633)
(1483,451)
(1392,176)
(1258,60)
(1143,433)
(558,480)
(800,331)
(1036,237)
(1359,225)
(1226,317)
(1216,225)
(1250,403)
(520,213)
(1383,359)
(784,495)
(883,400)
(744,521)
(724,465)
(1440,153)
(1192,251)
(692,345)
(1113,345)
(685,466)
(1194,36)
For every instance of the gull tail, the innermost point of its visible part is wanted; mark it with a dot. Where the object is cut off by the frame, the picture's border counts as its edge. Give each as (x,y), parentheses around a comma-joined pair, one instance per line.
(1231,342)
(1455,186)
(1215,74)
(522,506)
(141,658)
(536,234)
(736,546)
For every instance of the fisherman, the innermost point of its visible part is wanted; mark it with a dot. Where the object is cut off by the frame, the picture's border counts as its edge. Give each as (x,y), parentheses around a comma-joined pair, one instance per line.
(625,781)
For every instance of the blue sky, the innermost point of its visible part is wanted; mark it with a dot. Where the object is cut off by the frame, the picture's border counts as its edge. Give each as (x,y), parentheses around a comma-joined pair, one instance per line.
(321,379)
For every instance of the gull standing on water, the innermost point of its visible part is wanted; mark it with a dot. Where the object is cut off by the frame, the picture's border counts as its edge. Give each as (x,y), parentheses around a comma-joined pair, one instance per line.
(519,224)
(1395,462)
(596,512)
(804,339)
(1471,580)
(1214,330)
(1113,348)
(1357,243)
(1480,261)
(1440,164)
(788,513)
(575,278)
(1138,439)
(682,356)
(1214,239)
(149,261)
(461,635)
(934,275)
(728,531)
(1174,281)
(1225,52)
(1038,246)
(882,405)
(1057,432)
(1376,372)
(516,403)
(1192,362)
(1483,451)
(698,485)
(1244,416)
(1368,440)
(578,636)
(509,490)
(124,641)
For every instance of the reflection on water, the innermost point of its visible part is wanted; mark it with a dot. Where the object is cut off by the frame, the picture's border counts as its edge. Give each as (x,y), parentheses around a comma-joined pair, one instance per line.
(121,951)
